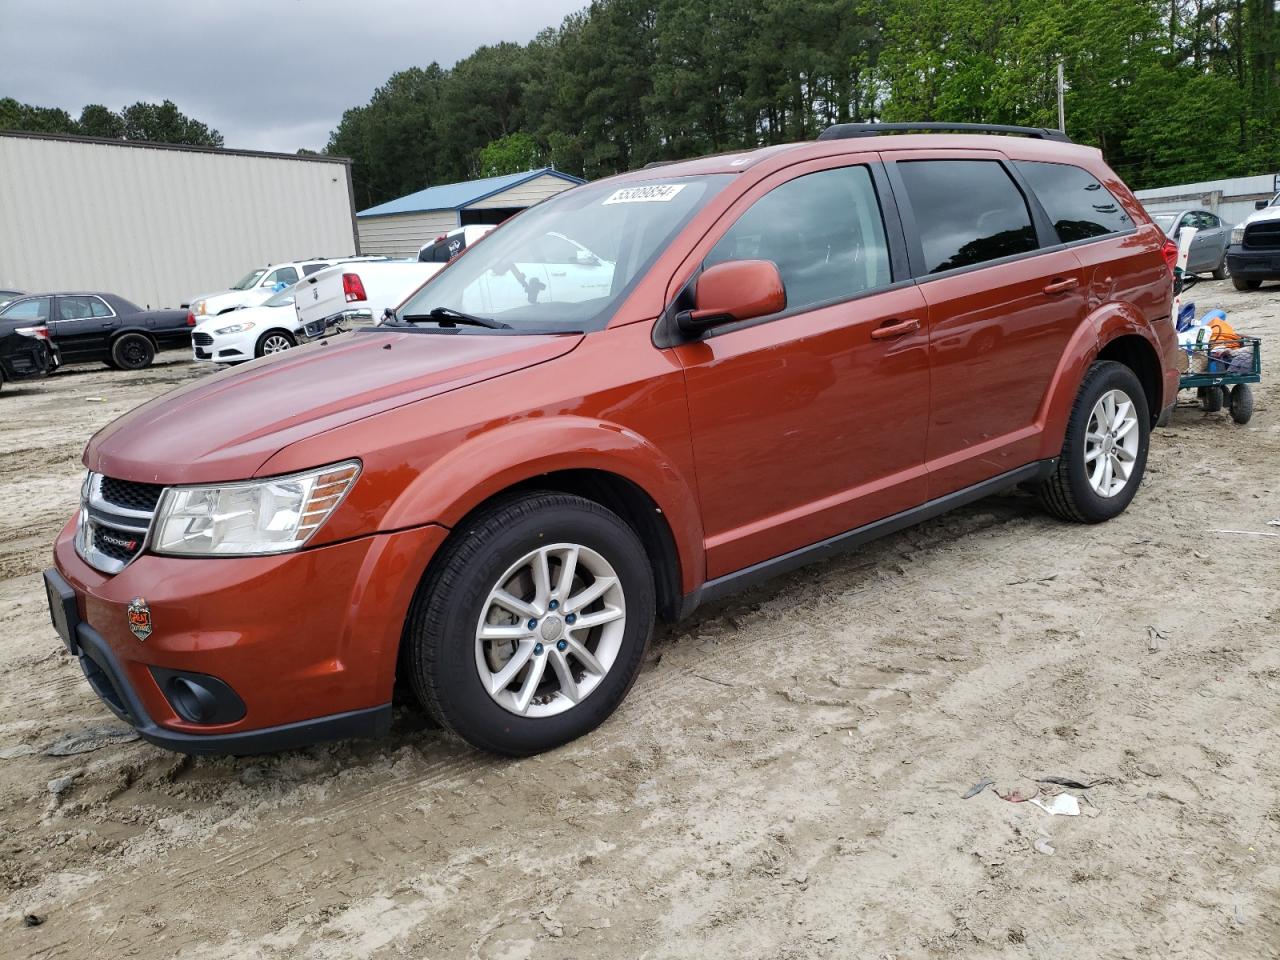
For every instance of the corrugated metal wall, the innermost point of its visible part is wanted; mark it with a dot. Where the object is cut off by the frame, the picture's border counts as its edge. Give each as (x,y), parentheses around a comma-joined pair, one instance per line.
(1232,199)
(159,226)
(403,234)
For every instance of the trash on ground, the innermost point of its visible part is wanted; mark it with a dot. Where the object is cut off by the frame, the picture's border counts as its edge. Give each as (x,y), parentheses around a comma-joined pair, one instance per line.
(95,399)
(1155,639)
(91,738)
(977,788)
(21,750)
(1247,533)
(1073,783)
(1017,792)
(1042,845)
(1063,805)
(32,920)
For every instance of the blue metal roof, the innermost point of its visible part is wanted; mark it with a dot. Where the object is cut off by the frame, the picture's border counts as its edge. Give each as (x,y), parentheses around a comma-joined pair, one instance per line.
(454,196)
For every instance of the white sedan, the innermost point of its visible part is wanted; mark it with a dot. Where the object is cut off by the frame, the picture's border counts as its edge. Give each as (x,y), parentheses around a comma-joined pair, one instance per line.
(249,332)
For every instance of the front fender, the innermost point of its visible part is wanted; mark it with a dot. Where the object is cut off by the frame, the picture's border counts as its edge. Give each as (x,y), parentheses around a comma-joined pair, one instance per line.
(500,458)
(1105,324)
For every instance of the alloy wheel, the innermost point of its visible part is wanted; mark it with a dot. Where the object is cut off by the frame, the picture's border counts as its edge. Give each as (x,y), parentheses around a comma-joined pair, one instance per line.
(275,344)
(550,630)
(1111,443)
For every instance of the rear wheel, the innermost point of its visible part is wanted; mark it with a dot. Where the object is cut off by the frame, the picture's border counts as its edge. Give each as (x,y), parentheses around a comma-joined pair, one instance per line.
(1242,284)
(1211,399)
(1241,403)
(133,351)
(531,626)
(274,341)
(1104,452)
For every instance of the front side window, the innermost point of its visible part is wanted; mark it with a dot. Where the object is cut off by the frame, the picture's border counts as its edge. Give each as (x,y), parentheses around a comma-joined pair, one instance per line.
(283,275)
(967,212)
(36,308)
(248,280)
(566,263)
(823,231)
(1080,207)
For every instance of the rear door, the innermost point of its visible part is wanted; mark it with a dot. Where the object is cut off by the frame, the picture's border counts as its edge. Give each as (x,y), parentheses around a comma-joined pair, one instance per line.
(1004,296)
(810,422)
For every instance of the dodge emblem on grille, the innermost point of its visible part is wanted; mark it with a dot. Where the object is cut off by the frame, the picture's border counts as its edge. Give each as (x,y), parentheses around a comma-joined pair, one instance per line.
(139,618)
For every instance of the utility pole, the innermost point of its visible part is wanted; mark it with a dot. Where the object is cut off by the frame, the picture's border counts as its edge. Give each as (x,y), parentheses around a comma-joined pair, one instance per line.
(1062,113)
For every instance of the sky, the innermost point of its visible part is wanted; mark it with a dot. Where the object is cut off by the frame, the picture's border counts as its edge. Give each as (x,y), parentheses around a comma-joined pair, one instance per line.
(267,74)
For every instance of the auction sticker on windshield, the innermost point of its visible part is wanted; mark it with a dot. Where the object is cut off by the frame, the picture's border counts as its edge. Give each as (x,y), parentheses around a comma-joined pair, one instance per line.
(650,193)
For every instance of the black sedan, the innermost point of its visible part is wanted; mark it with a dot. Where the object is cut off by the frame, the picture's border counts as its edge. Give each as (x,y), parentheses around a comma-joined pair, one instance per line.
(24,351)
(103,328)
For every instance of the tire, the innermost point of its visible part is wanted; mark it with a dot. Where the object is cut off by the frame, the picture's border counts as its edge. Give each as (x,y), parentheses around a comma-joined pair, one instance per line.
(1220,271)
(1242,284)
(444,654)
(132,351)
(1241,403)
(1211,399)
(274,341)
(1069,493)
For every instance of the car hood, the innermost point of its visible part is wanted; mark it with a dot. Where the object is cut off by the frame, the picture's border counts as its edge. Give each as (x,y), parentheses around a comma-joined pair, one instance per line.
(225,427)
(259,314)
(1266,213)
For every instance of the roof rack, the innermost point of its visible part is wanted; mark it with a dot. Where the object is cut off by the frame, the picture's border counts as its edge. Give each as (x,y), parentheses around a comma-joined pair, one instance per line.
(844,131)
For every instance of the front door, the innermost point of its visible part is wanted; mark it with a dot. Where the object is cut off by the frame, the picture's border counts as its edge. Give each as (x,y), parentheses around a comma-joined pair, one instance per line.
(82,328)
(810,422)
(1001,310)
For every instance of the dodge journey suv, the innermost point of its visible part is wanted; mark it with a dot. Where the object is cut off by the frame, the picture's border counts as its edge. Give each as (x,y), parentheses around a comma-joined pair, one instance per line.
(631,399)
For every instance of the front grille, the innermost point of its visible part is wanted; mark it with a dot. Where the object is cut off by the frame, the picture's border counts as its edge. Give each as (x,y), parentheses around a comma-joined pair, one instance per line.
(128,493)
(1263,236)
(202,339)
(115,521)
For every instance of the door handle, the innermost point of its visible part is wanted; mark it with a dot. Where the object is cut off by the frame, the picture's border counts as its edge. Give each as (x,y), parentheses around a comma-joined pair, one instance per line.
(895,328)
(1061,286)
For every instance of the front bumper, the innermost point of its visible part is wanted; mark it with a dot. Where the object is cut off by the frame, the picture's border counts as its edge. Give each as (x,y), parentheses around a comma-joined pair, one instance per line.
(1253,264)
(307,642)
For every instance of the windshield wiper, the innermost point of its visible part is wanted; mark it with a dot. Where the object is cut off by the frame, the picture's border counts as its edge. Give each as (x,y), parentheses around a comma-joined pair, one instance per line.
(456,317)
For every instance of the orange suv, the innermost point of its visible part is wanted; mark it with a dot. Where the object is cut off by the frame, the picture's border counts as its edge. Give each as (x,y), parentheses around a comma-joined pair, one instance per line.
(635,397)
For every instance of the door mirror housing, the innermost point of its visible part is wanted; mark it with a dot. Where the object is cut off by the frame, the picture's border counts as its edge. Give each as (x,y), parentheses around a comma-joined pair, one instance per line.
(733,291)
(1261,204)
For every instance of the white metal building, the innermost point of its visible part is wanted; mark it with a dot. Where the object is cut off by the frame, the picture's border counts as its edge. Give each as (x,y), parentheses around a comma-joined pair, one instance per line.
(1232,199)
(398,228)
(158,224)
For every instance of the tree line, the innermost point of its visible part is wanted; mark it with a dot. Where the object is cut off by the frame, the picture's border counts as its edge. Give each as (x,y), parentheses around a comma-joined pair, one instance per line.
(154,122)
(1170,90)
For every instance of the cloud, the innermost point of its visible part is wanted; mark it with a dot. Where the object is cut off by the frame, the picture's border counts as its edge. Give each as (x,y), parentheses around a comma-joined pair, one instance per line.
(268,74)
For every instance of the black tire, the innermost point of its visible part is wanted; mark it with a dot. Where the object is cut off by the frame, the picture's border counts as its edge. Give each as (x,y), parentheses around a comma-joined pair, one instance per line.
(132,351)
(1220,271)
(1211,399)
(440,635)
(260,348)
(1241,403)
(1242,284)
(1067,493)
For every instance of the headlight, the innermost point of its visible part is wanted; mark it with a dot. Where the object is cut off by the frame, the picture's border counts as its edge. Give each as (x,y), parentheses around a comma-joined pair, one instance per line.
(275,515)
(1237,235)
(234,328)
(198,307)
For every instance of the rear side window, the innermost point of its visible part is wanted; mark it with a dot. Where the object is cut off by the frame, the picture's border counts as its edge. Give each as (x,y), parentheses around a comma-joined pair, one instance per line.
(967,212)
(309,268)
(1080,207)
(824,232)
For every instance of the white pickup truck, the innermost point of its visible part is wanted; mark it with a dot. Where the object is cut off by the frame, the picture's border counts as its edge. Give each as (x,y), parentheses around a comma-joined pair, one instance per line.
(357,292)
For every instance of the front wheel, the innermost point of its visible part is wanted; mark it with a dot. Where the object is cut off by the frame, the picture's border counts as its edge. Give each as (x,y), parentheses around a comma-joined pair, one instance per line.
(531,625)
(274,341)
(1242,284)
(1241,403)
(1104,453)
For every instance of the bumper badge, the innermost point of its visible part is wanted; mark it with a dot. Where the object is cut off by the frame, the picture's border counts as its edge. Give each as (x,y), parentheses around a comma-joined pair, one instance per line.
(140,618)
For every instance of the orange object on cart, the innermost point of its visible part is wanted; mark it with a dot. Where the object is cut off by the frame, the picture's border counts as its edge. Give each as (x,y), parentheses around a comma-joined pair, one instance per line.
(1220,330)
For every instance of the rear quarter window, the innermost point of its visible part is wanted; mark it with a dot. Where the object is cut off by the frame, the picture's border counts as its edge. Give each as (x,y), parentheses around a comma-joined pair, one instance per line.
(1080,207)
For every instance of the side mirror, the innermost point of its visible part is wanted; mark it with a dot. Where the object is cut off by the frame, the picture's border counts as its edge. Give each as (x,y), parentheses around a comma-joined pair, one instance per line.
(733,291)
(1260,204)
(588,259)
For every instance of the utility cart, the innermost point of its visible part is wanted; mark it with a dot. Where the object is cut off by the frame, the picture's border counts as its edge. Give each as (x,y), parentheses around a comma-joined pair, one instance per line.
(1220,371)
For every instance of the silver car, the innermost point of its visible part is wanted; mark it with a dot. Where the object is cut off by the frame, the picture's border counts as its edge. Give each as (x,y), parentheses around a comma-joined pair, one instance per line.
(1209,248)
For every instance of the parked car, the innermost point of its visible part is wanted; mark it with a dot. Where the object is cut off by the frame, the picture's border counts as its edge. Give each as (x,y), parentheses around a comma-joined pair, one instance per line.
(241,335)
(257,286)
(448,245)
(25,351)
(8,296)
(1254,254)
(800,348)
(99,327)
(1209,246)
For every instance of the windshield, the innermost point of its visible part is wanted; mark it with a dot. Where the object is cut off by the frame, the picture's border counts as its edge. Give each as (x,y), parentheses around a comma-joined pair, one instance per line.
(282,299)
(248,281)
(568,262)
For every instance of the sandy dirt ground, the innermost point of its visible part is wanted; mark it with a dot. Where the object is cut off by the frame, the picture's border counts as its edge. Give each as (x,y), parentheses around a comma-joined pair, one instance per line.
(785,780)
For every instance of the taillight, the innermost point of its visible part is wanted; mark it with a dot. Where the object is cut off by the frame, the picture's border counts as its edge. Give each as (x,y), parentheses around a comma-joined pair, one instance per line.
(352,287)
(40,333)
(191,319)
(1170,251)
